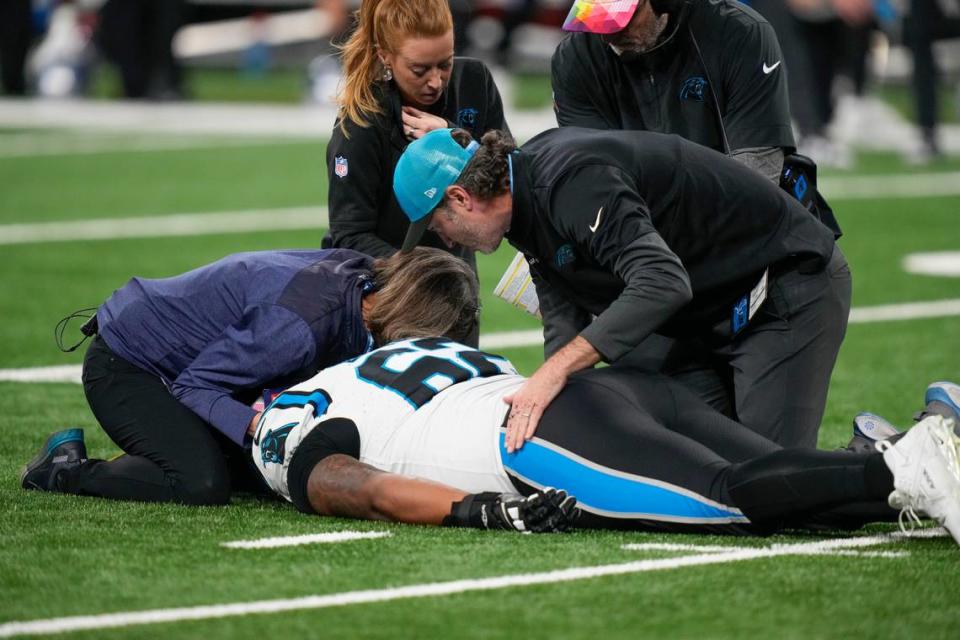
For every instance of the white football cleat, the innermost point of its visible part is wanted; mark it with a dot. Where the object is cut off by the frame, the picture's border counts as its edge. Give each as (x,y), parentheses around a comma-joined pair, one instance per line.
(925,464)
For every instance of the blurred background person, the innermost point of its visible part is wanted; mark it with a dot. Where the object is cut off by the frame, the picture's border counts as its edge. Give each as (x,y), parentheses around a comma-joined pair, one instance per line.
(516,13)
(928,21)
(137,36)
(16,32)
(401,80)
(820,40)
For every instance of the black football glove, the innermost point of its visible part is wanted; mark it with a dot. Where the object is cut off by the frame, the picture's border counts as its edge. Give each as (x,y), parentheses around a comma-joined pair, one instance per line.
(545,511)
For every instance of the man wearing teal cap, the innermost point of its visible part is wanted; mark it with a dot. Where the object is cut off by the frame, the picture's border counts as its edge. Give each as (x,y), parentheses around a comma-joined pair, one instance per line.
(421,186)
(631,233)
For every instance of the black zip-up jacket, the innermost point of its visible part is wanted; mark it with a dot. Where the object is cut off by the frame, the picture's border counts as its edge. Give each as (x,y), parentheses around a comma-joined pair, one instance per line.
(649,233)
(670,88)
(364,213)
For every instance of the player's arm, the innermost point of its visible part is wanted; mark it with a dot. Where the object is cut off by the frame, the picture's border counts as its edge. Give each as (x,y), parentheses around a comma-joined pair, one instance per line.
(343,486)
(325,477)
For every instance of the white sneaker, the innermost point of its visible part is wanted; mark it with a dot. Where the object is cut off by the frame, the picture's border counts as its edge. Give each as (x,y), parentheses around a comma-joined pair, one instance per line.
(925,465)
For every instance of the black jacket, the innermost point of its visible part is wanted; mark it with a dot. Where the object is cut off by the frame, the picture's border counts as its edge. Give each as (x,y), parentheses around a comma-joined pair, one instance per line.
(649,233)
(364,214)
(671,88)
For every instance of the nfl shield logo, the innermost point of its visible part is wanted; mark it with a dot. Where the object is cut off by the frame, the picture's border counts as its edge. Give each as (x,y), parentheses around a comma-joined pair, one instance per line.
(340,167)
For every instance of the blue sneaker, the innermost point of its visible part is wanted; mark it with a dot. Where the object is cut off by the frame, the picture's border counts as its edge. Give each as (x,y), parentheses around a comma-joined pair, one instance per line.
(62,450)
(943,399)
(868,430)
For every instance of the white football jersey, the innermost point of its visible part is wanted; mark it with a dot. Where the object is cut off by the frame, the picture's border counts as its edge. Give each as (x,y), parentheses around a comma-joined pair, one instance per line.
(429,408)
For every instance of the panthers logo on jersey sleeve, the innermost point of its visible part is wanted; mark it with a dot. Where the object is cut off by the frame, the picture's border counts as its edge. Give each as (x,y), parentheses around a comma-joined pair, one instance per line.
(280,429)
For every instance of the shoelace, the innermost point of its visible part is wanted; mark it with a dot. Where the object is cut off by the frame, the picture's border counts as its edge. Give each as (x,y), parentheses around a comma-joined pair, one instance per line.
(912,520)
(907,519)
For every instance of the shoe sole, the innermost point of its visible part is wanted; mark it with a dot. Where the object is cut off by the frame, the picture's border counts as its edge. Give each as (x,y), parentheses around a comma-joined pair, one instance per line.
(947,393)
(53,441)
(879,431)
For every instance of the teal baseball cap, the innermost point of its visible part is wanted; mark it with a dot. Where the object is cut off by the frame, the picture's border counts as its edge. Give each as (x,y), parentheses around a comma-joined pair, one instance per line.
(427,167)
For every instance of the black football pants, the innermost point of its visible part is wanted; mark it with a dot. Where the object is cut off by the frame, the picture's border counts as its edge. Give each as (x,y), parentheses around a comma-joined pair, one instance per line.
(171,455)
(641,451)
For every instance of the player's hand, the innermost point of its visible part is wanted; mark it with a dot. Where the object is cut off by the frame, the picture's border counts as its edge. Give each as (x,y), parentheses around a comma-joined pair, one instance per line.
(417,124)
(528,403)
(546,511)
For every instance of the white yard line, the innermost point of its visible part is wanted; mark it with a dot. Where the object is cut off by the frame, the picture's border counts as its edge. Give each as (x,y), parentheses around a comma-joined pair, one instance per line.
(204,119)
(906,311)
(672,546)
(131,618)
(699,548)
(314,538)
(904,185)
(45,145)
(933,263)
(181,224)
(509,339)
(534,337)
(60,373)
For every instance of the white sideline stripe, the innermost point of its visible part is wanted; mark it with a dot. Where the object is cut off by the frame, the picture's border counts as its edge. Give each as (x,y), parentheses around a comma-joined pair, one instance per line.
(699,548)
(130,618)
(869,554)
(913,185)
(28,146)
(508,339)
(672,546)
(181,224)
(933,263)
(314,538)
(906,311)
(534,337)
(62,373)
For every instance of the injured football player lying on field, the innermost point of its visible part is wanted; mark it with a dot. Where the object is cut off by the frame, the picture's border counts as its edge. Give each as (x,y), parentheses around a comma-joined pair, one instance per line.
(414,432)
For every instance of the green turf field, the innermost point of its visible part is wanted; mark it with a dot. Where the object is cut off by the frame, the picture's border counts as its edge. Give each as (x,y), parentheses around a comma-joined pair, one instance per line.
(68,556)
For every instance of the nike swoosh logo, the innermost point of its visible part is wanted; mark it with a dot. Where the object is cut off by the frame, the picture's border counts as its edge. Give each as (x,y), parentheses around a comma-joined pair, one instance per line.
(767,70)
(596,223)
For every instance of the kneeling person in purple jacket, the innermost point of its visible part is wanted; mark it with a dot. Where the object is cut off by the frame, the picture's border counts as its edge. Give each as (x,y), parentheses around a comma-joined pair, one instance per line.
(177,362)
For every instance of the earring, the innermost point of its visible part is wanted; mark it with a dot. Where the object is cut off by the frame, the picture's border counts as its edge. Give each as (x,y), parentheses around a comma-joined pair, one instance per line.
(387,74)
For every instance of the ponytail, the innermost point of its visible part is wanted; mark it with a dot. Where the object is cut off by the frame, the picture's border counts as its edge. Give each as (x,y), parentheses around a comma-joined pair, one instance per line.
(382,24)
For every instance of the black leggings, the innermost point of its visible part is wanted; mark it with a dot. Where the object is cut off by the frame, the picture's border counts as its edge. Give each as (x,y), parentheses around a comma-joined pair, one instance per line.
(640,451)
(171,454)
